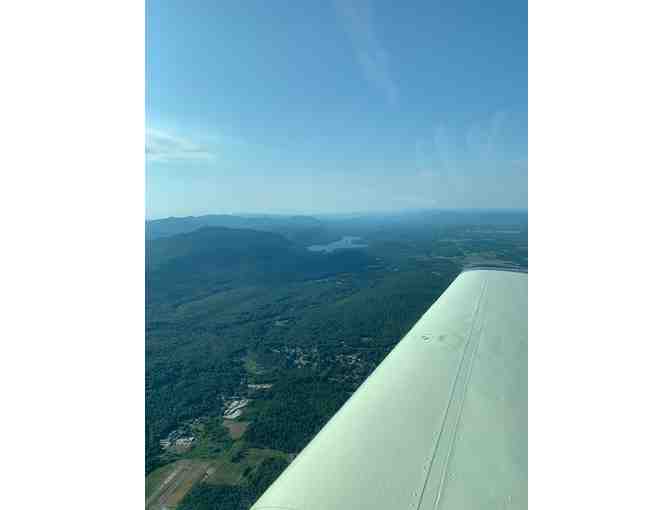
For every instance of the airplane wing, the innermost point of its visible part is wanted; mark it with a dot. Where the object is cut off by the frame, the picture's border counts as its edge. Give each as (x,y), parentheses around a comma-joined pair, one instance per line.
(442,421)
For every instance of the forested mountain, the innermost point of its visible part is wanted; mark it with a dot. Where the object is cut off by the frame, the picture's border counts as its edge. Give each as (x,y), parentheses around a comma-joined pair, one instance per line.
(296,228)
(213,258)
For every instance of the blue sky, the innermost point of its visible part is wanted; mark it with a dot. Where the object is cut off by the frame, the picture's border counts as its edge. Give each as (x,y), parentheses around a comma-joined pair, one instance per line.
(335,106)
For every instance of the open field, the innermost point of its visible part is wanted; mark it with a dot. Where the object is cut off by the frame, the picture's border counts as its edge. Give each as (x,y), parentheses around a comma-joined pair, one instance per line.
(166,487)
(255,456)
(236,428)
(227,472)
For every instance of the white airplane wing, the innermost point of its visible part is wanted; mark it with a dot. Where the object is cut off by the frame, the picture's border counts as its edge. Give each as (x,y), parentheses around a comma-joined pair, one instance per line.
(440,424)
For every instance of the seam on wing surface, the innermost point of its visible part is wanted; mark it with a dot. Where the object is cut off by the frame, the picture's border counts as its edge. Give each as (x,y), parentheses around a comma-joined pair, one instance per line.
(451,398)
(465,391)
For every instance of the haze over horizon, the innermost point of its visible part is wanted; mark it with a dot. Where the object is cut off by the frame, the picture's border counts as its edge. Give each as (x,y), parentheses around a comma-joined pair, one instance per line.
(335,107)
(302,212)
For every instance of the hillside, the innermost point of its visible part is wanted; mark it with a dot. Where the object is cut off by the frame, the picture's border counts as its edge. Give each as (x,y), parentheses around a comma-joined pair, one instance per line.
(301,229)
(213,258)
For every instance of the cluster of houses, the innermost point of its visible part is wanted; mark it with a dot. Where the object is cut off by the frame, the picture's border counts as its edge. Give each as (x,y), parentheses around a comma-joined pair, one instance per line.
(310,356)
(177,442)
(259,386)
(298,356)
(233,407)
(347,359)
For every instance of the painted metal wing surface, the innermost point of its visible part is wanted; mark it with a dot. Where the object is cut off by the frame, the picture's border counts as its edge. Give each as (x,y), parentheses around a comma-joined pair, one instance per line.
(440,424)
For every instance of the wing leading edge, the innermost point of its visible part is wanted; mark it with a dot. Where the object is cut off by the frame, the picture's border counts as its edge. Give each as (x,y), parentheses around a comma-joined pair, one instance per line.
(441,423)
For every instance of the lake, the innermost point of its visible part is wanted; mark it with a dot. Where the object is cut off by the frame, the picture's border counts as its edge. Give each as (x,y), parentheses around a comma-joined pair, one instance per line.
(345,243)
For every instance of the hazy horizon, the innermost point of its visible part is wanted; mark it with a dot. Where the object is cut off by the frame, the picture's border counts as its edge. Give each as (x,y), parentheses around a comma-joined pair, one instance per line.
(317,214)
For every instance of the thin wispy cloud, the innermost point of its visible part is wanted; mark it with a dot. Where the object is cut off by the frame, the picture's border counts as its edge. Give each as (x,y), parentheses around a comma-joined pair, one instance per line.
(161,146)
(447,146)
(423,157)
(357,18)
(451,156)
(482,138)
(437,154)
(426,164)
(449,152)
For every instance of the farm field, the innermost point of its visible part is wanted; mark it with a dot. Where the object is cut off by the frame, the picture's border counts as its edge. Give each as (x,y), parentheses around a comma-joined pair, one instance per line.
(168,486)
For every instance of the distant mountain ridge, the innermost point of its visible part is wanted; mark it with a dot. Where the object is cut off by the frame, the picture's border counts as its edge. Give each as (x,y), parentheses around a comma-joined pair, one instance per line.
(213,258)
(301,229)
(219,243)
(307,230)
